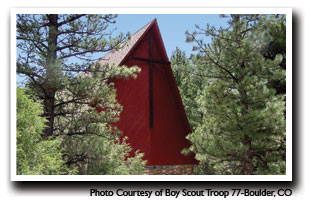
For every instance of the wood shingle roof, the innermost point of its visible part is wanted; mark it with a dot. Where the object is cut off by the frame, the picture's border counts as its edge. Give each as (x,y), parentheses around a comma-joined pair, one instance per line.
(116,57)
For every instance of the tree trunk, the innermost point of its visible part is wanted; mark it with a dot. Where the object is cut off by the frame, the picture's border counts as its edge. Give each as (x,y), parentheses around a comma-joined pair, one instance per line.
(248,163)
(49,102)
(51,74)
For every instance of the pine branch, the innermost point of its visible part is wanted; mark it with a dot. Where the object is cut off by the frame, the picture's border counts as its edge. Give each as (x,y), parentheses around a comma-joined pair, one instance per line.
(71,19)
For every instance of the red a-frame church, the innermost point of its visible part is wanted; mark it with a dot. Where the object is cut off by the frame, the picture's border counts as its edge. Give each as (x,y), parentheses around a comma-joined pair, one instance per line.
(153,116)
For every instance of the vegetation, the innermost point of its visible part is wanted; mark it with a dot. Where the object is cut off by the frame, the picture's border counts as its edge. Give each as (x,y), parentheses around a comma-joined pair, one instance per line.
(57,54)
(34,154)
(237,116)
(233,91)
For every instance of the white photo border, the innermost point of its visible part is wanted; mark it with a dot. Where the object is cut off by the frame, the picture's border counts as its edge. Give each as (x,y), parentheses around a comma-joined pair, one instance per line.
(155,10)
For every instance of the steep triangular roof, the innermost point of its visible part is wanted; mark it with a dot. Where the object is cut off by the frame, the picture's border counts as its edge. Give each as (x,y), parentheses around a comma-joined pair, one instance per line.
(146,49)
(118,56)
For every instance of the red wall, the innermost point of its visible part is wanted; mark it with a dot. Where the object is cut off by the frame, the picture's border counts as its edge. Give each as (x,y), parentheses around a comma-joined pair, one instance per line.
(163,143)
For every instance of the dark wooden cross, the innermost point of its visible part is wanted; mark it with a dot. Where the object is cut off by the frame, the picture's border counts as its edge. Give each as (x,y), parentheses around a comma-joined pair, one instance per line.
(150,60)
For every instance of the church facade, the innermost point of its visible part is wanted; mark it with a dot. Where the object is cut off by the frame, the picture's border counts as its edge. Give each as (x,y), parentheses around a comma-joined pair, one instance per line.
(153,116)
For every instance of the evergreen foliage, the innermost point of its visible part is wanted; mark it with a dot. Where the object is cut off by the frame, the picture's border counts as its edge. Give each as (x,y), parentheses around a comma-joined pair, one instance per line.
(277,46)
(241,129)
(35,156)
(57,54)
(190,81)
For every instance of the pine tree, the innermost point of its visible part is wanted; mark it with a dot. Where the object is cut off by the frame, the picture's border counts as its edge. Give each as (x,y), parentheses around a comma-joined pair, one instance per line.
(243,127)
(277,46)
(190,79)
(34,155)
(58,54)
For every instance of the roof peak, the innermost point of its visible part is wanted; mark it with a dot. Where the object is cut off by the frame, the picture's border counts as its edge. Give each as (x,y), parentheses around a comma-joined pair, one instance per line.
(147,25)
(116,56)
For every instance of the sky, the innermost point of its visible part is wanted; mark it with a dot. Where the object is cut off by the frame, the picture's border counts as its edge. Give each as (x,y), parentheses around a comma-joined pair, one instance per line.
(171,26)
